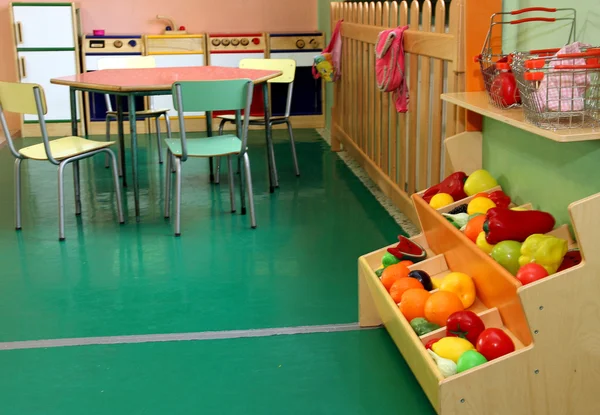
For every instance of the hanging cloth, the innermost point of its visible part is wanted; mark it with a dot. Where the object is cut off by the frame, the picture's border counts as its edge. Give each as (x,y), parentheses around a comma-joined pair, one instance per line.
(327,64)
(389,65)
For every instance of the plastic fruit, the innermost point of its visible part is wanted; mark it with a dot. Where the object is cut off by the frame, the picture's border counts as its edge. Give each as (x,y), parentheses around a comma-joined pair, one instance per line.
(482,243)
(436,282)
(529,273)
(469,359)
(441,305)
(462,285)
(572,258)
(402,285)
(507,254)
(407,250)
(389,259)
(412,303)
(423,278)
(393,273)
(474,227)
(479,181)
(440,200)
(451,347)
(504,87)
(480,205)
(493,343)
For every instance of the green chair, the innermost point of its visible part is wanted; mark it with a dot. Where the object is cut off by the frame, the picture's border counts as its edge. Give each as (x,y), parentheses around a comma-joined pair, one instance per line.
(210,96)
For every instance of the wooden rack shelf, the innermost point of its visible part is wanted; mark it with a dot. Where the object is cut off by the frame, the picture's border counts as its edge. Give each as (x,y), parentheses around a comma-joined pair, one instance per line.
(553,322)
(478,102)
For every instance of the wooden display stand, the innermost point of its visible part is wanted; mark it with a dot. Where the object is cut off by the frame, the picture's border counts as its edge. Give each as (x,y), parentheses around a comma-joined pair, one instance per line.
(553,322)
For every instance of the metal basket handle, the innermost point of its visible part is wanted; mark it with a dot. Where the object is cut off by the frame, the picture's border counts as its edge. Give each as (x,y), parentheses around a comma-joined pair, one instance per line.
(534,9)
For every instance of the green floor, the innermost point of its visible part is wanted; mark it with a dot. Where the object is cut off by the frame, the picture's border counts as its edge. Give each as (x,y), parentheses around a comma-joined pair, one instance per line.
(298,268)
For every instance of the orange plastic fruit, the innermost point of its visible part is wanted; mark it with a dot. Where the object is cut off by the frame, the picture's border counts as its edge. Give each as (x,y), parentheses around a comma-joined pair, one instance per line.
(440,306)
(412,304)
(401,285)
(474,227)
(392,273)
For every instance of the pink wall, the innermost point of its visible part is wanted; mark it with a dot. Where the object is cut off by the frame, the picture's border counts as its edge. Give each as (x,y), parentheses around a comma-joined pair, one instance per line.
(198,16)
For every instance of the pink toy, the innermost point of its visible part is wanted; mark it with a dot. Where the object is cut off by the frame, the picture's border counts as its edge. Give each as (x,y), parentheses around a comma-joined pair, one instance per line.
(389,65)
(98,32)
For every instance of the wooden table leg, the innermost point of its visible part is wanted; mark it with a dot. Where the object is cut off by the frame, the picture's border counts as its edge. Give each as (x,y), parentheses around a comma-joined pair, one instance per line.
(134,160)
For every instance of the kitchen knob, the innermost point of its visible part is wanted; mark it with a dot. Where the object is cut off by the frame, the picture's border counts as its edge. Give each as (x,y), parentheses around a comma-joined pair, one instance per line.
(235,42)
(300,43)
(118,43)
(314,43)
(225,42)
(245,42)
(216,42)
(256,41)
(132,43)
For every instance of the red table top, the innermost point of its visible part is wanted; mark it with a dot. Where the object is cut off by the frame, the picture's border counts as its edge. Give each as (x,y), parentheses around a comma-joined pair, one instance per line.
(158,79)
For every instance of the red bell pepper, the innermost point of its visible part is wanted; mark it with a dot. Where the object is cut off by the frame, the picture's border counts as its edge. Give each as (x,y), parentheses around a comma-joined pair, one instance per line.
(500,198)
(452,185)
(503,224)
(430,343)
(465,324)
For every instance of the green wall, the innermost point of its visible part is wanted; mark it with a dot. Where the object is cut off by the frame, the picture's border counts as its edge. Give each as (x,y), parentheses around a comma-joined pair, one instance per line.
(534,169)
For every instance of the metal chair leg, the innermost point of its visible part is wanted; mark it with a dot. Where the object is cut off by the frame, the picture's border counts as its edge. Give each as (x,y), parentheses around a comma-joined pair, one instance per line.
(168,124)
(293,145)
(61,204)
(170,164)
(231,183)
(242,193)
(177,196)
(217,170)
(158,141)
(250,193)
(18,194)
(106,161)
(115,172)
(77,186)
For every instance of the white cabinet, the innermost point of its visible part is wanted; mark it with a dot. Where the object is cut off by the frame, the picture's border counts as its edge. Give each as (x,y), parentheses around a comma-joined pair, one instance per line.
(39,68)
(48,26)
(165,61)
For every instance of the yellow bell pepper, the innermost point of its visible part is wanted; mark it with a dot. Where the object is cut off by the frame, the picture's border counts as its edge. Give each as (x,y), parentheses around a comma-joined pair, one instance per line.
(483,244)
(451,347)
(546,250)
(462,285)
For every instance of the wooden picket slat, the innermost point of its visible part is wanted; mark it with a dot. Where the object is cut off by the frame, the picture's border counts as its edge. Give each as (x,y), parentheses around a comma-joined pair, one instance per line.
(401,152)
(423,114)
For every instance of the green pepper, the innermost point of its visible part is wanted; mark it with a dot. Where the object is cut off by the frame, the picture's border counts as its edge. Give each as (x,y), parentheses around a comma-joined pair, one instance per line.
(546,250)
(422,326)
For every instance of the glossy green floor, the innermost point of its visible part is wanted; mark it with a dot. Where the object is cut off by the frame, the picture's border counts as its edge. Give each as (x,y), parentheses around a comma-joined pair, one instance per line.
(297,268)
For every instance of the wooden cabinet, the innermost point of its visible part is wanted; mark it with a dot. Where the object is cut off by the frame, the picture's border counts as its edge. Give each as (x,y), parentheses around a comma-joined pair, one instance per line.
(45,47)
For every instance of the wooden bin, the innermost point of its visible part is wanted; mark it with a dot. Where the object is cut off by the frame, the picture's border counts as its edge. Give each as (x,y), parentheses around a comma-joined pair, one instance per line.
(553,322)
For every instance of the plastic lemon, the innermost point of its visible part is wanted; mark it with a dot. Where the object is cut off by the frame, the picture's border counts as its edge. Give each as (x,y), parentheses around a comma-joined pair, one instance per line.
(482,243)
(440,200)
(480,205)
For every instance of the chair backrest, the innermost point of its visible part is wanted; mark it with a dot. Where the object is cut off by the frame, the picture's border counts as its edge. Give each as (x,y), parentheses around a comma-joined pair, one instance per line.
(24,98)
(125,62)
(287,66)
(235,94)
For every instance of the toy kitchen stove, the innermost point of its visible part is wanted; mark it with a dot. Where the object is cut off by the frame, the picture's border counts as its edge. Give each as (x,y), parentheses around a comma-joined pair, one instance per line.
(307,98)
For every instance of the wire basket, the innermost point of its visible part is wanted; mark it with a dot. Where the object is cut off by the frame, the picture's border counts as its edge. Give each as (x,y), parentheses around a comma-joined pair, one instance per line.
(494,63)
(562,91)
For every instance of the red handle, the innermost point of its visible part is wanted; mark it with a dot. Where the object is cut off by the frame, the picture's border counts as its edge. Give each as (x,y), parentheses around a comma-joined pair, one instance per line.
(534,9)
(533,76)
(535,64)
(588,66)
(534,19)
(588,53)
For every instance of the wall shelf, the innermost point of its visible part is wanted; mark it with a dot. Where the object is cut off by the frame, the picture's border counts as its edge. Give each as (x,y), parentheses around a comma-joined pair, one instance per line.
(478,102)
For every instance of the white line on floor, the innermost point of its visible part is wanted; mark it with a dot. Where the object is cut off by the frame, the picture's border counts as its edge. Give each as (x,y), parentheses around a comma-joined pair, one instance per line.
(205,335)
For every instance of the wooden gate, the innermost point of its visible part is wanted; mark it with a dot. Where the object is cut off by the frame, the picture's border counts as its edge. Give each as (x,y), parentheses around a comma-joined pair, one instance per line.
(401,152)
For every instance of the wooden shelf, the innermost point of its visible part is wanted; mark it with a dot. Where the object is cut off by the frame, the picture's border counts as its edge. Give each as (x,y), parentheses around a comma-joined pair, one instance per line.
(478,102)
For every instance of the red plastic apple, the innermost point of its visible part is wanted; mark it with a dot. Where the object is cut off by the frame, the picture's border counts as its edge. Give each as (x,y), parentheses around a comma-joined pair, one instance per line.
(529,273)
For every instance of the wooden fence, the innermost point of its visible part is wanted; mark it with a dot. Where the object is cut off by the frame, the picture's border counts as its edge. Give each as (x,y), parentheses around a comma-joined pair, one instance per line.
(402,152)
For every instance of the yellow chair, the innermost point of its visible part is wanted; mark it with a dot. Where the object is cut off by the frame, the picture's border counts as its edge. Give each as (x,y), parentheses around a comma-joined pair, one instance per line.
(134,62)
(23,98)
(288,69)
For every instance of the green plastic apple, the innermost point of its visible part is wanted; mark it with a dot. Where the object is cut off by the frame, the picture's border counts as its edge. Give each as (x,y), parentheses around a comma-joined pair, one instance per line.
(507,253)
(469,359)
